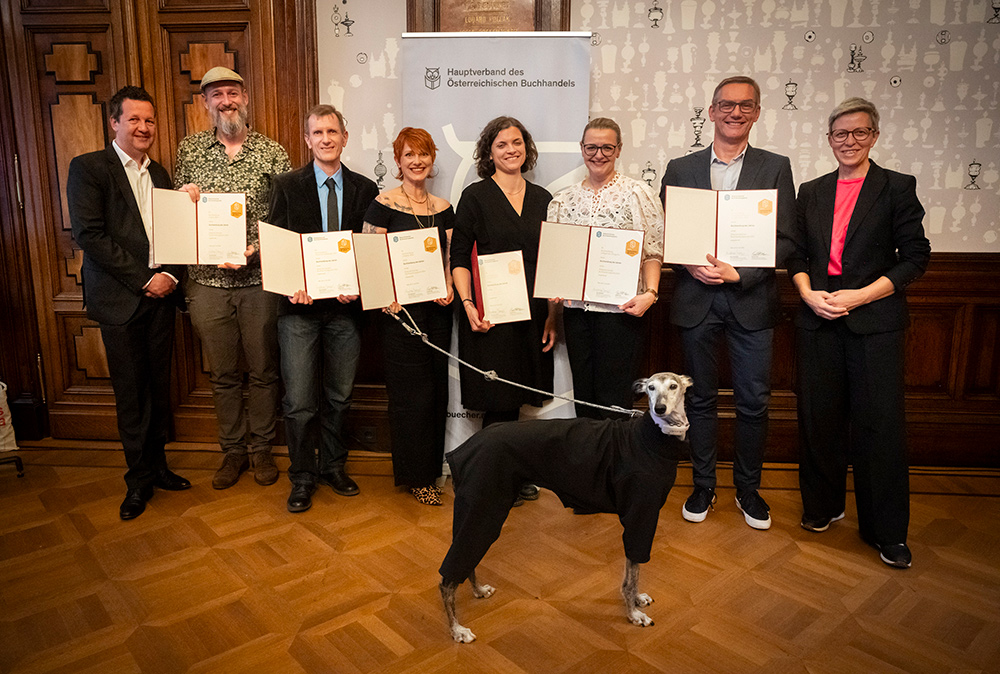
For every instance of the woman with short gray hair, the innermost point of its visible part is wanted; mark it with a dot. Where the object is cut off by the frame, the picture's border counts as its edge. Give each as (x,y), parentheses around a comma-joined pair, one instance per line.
(859,241)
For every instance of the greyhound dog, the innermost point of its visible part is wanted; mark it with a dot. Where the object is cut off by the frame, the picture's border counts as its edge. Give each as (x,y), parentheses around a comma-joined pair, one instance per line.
(625,467)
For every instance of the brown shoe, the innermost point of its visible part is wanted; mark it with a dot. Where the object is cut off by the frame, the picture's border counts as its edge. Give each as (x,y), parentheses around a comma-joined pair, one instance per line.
(264,470)
(229,472)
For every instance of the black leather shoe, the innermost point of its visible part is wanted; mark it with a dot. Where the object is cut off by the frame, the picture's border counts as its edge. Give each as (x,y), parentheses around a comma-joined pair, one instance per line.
(340,482)
(300,499)
(135,502)
(169,480)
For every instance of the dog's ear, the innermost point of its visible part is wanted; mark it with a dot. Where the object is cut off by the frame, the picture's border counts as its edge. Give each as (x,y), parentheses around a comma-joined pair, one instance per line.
(686,380)
(639,386)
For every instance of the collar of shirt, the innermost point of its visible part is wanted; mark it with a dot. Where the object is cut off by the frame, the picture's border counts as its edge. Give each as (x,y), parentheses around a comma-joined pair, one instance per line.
(725,176)
(125,159)
(338,180)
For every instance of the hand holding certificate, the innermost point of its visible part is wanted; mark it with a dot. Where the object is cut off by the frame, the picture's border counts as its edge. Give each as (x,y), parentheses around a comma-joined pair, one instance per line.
(736,226)
(501,285)
(403,267)
(211,231)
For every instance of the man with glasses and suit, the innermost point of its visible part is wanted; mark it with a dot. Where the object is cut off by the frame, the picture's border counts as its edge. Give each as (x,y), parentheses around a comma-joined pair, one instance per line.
(717,300)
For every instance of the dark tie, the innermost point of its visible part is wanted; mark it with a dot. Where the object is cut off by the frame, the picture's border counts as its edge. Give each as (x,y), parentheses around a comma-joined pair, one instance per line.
(332,214)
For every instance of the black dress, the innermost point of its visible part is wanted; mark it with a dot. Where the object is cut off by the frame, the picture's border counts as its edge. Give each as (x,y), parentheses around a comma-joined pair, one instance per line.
(514,350)
(416,376)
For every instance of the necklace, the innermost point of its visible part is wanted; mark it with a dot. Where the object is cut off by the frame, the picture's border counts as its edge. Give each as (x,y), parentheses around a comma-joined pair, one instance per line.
(414,199)
(410,204)
(510,194)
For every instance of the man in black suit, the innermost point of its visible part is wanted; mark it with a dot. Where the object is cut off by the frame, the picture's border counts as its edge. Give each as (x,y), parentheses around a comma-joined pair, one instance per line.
(717,299)
(319,340)
(110,208)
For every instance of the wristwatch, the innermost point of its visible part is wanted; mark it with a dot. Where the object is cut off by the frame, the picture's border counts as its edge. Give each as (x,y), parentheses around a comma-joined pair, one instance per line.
(656,295)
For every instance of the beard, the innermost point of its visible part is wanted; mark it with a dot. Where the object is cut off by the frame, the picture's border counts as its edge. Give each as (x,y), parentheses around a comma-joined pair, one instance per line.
(230,126)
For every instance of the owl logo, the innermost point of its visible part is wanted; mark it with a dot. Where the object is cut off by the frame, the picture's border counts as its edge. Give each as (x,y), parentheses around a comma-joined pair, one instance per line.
(432,77)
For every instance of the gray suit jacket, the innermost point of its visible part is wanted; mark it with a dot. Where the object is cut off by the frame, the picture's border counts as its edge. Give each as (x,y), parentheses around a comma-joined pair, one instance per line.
(754,300)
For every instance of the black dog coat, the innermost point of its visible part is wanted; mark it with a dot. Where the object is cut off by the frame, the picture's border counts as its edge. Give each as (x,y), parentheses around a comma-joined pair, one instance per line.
(625,467)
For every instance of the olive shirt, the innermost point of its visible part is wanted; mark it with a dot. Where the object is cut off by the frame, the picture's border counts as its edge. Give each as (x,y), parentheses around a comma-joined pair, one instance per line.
(202,160)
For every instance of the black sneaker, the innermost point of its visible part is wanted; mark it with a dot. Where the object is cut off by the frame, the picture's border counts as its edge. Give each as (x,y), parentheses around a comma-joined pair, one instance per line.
(819,524)
(896,555)
(755,510)
(696,507)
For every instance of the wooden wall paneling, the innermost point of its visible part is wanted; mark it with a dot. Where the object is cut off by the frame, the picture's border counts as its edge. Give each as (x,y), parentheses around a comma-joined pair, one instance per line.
(63,67)
(20,344)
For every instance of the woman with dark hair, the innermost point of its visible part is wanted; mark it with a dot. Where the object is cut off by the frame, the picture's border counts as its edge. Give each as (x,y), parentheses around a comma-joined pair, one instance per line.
(859,241)
(500,213)
(416,377)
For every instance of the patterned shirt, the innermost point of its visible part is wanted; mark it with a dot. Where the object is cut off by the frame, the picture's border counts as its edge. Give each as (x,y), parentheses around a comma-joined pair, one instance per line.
(624,203)
(202,160)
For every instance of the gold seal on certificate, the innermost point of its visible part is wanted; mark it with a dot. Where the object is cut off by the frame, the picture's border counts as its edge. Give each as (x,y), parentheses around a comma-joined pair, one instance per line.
(211,231)
(321,263)
(503,287)
(737,226)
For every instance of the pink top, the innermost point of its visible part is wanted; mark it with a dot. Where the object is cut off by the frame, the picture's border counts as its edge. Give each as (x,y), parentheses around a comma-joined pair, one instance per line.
(843,208)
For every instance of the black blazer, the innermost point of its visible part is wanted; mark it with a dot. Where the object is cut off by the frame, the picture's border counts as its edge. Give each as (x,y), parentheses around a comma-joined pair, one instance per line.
(754,299)
(885,237)
(108,227)
(295,206)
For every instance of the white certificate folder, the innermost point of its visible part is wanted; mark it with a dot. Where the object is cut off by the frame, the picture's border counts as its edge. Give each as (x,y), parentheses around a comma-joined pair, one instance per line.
(736,226)
(404,267)
(596,264)
(322,263)
(211,231)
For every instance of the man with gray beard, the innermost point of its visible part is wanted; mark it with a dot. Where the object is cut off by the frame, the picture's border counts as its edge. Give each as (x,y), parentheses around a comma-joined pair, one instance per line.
(229,310)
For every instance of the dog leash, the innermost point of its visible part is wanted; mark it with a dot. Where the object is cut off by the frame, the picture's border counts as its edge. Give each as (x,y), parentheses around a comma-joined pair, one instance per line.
(491,375)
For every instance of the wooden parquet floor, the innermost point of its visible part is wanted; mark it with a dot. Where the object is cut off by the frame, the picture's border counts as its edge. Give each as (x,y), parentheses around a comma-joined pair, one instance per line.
(229,581)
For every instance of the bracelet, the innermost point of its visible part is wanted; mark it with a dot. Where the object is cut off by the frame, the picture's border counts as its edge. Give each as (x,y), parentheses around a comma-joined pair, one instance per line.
(468,300)
(656,295)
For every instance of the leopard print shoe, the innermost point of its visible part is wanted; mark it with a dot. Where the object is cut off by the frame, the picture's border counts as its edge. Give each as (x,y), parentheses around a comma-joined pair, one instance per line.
(430,495)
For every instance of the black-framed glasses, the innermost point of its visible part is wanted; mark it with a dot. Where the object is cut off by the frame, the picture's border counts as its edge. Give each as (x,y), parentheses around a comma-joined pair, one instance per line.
(746,107)
(606,150)
(861,134)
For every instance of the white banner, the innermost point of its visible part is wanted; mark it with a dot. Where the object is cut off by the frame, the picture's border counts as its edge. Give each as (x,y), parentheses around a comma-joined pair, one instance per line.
(453,84)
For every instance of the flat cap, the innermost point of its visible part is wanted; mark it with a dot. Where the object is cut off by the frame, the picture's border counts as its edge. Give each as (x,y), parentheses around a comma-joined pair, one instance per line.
(220,74)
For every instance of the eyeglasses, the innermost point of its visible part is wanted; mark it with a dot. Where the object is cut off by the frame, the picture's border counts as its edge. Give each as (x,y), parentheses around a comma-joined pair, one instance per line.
(860,134)
(606,150)
(746,107)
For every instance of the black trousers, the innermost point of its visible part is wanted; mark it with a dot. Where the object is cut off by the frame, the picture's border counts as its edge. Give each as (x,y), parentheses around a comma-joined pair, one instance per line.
(139,355)
(851,411)
(750,353)
(605,350)
(416,381)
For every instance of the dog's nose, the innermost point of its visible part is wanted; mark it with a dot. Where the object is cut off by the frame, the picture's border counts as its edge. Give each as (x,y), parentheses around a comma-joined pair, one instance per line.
(660,409)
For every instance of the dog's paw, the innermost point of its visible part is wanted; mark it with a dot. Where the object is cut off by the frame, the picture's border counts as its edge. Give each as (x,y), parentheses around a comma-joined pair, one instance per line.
(643,599)
(640,619)
(462,635)
(482,592)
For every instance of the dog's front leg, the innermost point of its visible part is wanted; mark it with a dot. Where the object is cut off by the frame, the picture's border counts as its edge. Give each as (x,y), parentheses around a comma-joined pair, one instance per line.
(633,598)
(480,591)
(462,635)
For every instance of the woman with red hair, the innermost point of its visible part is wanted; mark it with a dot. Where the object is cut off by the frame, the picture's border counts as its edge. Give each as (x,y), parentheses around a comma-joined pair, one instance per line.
(416,377)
